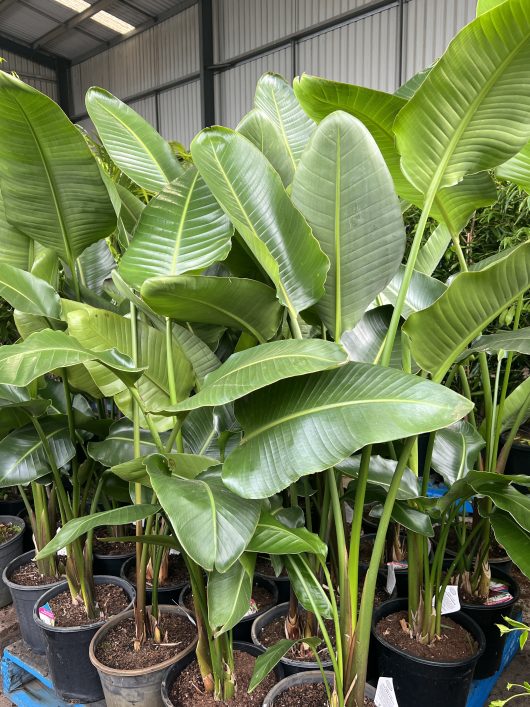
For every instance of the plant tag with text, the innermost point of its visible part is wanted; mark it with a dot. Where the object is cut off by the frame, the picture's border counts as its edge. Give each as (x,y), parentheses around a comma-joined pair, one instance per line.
(391,574)
(385,695)
(450,602)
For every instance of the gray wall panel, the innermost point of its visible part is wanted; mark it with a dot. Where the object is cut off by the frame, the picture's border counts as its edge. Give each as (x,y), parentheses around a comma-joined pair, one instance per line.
(40,77)
(180,113)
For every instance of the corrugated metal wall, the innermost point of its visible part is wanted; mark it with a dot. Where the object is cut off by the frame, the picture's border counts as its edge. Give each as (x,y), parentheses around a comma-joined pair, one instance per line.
(41,77)
(378,45)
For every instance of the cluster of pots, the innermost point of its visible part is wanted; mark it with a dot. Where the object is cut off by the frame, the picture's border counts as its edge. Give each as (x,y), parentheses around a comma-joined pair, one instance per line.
(78,675)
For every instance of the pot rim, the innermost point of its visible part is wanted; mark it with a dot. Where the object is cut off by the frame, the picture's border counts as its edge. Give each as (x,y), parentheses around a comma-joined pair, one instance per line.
(308,676)
(515,591)
(13,520)
(101,667)
(401,603)
(62,586)
(165,588)
(25,587)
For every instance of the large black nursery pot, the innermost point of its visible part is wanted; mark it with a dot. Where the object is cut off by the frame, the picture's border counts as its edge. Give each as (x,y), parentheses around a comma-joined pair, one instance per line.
(283,585)
(111,565)
(487,617)
(24,598)
(141,687)
(291,667)
(175,670)
(166,595)
(418,681)
(308,677)
(67,648)
(8,551)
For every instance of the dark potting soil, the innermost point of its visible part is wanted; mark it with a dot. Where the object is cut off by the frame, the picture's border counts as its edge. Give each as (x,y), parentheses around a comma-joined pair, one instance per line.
(261,596)
(365,550)
(111,548)
(308,695)
(176,573)
(110,599)
(188,691)
(8,531)
(264,566)
(275,631)
(117,648)
(28,575)
(454,644)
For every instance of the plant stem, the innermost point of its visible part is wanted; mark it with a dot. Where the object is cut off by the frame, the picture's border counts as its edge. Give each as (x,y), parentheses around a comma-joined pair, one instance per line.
(355,534)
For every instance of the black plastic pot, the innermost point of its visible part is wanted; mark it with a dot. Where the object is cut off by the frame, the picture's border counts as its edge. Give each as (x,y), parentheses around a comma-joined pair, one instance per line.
(175,670)
(24,599)
(67,649)
(242,630)
(309,677)
(8,551)
(518,462)
(487,617)
(423,682)
(110,565)
(501,564)
(124,688)
(166,595)
(291,667)
(27,542)
(12,507)
(282,583)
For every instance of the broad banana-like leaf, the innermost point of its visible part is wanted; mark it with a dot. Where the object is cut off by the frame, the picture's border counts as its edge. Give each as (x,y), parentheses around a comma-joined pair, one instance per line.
(267,661)
(343,188)
(440,333)
(433,250)
(118,446)
(205,431)
(28,294)
(134,145)
(517,169)
(96,328)
(518,398)
(513,539)
(275,538)
(23,457)
(16,249)
(486,5)
(184,465)
(210,522)
(263,132)
(378,111)
(95,265)
(46,264)
(402,513)
(181,230)
(464,109)
(47,350)
(518,341)
(229,594)
(80,526)
(380,473)
(514,502)
(307,424)
(251,192)
(234,302)
(455,452)
(255,368)
(486,483)
(306,586)
(366,340)
(275,97)
(50,181)
(422,292)
(409,88)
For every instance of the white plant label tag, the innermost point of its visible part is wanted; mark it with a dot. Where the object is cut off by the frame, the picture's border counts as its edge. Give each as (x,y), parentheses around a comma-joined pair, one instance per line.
(385,695)
(390,578)
(450,601)
(62,552)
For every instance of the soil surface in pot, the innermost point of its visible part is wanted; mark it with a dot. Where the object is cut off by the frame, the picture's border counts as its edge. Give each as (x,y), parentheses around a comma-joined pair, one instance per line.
(110,599)
(187,690)
(502,592)
(116,650)
(455,643)
(262,597)
(308,695)
(8,531)
(176,573)
(264,566)
(275,631)
(111,548)
(28,575)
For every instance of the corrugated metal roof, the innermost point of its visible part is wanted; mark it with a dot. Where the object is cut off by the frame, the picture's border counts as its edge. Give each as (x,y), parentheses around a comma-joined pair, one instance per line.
(57,30)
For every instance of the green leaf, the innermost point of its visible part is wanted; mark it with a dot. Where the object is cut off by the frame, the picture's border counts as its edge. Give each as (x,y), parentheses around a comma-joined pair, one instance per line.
(22,454)
(269,660)
(433,250)
(486,5)
(518,398)
(210,522)
(409,88)
(235,302)
(514,502)
(456,450)
(261,130)
(204,431)
(306,586)
(28,294)
(365,341)
(440,333)
(95,265)
(80,526)
(15,248)
(188,466)
(464,109)
(180,230)
(513,539)
(48,350)
(307,424)
(422,292)
(229,594)
(518,340)
(517,169)
(134,146)
(118,446)
(251,192)
(255,368)
(276,99)
(51,184)
(343,188)
(380,473)
(275,538)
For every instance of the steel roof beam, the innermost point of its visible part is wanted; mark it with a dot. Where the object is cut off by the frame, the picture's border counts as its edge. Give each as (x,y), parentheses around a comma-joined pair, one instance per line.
(72,22)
